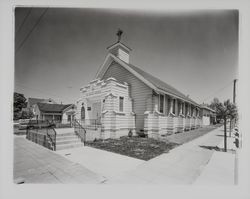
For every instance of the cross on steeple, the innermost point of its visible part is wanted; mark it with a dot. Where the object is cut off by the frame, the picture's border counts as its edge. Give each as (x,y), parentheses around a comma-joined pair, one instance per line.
(119,34)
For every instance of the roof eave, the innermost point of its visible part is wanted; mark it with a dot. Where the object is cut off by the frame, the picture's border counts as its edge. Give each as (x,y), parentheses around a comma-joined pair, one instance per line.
(119,43)
(158,90)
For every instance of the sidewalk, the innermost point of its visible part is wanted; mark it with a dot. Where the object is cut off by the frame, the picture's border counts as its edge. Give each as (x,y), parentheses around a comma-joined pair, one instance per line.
(220,168)
(36,164)
(182,165)
(102,162)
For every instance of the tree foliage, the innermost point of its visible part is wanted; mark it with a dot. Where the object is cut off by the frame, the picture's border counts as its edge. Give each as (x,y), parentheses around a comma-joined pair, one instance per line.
(18,104)
(225,111)
(26,114)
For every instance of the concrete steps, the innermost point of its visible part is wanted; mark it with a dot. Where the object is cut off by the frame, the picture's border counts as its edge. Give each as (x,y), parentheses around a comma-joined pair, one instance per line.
(66,138)
(68,146)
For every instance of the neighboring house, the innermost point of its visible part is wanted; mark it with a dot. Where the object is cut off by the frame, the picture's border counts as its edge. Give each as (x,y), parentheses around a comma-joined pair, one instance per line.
(208,115)
(125,98)
(31,102)
(54,112)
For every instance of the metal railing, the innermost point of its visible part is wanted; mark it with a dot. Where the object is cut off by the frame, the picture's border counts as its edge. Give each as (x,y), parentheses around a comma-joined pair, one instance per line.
(44,127)
(79,130)
(51,133)
(62,123)
(92,124)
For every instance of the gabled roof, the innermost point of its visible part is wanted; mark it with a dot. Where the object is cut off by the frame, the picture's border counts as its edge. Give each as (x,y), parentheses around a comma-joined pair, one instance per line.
(153,82)
(160,84)
(32,101)
(117,44)
(52,108)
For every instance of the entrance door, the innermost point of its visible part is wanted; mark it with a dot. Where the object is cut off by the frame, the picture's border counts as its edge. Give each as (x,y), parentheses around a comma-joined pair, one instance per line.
(96,112)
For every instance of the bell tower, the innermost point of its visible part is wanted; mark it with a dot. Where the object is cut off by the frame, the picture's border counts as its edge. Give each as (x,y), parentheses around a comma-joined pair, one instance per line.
(119,49)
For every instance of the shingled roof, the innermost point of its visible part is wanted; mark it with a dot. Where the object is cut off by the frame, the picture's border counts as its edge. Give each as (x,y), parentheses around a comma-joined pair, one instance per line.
(160,84)
(154,82)
(32,101)
(52,108)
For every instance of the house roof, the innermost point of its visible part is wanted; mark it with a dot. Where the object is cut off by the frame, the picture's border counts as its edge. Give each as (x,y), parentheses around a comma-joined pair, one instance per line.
(52,108)
(147,78)
(32,101)
(160,84)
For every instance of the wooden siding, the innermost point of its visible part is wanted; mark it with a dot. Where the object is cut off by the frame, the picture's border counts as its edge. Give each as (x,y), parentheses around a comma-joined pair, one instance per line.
(140,92)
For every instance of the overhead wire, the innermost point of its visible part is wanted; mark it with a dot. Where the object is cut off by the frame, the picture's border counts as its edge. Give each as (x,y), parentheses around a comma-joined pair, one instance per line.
(32,29)
(24,20)
(213,94)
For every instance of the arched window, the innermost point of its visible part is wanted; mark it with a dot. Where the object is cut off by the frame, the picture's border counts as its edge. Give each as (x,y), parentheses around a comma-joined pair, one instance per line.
(82,113)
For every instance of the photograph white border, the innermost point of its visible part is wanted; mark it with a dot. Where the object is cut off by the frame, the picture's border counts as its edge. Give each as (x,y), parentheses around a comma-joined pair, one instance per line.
(9,190)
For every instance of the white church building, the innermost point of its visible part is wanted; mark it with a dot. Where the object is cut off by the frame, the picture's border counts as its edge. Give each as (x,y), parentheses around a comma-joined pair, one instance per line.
(123,98)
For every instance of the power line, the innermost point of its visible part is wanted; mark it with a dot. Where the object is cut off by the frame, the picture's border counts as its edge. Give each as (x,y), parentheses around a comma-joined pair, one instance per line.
(33,28)
(25,18)
(212,95)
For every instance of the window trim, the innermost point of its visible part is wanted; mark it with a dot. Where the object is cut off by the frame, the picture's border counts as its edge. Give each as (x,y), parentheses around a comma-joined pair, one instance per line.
(159,103)
(174,106)
(69,118)
(121,110)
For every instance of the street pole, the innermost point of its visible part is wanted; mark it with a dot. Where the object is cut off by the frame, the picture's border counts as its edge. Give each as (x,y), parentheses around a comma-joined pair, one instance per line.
(234,91)
(236,149)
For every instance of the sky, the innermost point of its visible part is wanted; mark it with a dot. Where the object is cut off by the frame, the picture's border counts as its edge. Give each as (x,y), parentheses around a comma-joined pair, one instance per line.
(194,51)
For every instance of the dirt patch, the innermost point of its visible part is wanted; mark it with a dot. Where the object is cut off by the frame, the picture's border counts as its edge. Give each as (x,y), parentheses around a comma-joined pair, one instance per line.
(136,147)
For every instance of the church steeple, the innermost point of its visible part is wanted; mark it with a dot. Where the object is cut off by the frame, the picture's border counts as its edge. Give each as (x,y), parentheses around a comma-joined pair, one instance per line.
(119,34)
(119,49)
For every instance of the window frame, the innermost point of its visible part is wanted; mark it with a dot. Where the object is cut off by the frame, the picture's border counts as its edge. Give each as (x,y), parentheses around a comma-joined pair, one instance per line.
(174,106)
(163,104)
(121,105)
(68,118)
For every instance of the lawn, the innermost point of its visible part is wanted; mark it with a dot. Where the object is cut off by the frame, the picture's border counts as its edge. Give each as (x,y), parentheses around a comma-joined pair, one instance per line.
(136,147)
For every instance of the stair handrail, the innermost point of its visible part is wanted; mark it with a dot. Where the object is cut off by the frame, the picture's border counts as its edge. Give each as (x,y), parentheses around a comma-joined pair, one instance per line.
(80,127)
(50,127)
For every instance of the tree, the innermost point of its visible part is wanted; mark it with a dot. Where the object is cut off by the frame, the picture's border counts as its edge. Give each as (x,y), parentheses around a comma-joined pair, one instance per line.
(226,111)
(18,104)
(213,106)
(26,114)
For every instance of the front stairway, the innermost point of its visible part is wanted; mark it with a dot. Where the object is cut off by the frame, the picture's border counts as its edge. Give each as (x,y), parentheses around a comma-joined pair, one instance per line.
(66,138)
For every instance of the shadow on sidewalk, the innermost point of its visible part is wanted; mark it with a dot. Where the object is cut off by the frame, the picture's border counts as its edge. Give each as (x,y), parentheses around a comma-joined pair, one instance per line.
(216,148)
(223,136)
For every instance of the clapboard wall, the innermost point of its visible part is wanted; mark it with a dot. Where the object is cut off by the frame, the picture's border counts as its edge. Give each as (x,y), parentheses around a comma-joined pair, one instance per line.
(139,91)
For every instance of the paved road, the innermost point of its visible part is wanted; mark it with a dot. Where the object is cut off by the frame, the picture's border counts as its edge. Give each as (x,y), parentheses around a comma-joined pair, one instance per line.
(181,165)
(36,164)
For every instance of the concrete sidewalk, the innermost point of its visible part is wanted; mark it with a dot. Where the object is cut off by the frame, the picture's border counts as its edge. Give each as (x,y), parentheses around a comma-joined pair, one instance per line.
(220,168)
(102,162)
(181,165)
(36,164)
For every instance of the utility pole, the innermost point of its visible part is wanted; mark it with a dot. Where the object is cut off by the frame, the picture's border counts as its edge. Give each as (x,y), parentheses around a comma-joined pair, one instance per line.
(234,91)
(236,150)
